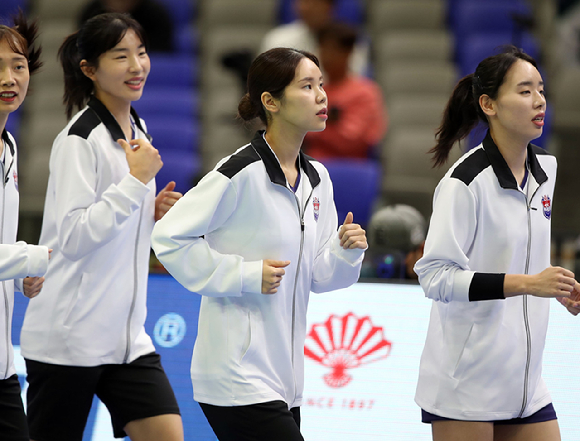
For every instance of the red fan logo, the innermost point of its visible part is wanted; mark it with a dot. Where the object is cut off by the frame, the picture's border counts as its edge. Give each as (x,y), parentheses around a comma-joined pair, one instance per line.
(343,343)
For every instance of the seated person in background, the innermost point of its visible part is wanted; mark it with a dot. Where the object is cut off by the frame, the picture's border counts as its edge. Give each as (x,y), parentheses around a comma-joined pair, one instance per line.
(302,33)
(396,241)
(151,15)
(357,118)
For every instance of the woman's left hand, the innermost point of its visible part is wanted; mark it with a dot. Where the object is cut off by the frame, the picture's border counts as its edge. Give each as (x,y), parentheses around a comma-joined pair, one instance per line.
(32,286)
(572,303)
(352,235)
(165,200)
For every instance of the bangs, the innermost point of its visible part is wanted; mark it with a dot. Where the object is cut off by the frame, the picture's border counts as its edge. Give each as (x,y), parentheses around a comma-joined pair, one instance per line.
(15,41)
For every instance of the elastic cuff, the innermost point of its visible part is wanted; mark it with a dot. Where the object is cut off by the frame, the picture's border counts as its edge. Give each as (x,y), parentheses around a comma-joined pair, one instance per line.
(252,277)
(133,188)
(486,286)
(37,260)
(353,256)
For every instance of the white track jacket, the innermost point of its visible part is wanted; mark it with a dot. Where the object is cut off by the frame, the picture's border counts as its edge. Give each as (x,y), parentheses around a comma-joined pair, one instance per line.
(98,220)
(482,359)
(17,259)
(250,346)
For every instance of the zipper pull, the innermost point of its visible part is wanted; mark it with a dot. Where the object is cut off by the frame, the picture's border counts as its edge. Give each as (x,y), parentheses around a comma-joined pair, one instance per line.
(302,223)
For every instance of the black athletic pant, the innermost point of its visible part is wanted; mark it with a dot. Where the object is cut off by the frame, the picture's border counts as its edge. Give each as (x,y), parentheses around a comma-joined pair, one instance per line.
(256,422)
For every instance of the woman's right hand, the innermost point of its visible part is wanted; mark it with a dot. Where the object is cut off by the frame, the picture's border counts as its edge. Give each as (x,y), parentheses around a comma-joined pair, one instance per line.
(143,159)
(272,272)
(554,281)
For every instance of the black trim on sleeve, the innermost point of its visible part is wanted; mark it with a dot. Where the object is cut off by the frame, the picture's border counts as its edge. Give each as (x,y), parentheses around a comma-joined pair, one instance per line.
(471,167)
(486,286)
(238,161)
(85,124)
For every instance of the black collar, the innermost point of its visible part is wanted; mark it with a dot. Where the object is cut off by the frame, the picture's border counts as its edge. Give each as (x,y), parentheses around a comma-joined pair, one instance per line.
(7,142)
(273,165)
(109,120)
(501,169)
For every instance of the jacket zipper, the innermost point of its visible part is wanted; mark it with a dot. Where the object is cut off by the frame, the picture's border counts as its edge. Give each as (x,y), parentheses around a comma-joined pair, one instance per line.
(301,213)
(135,287)
(525,306)
(6,303)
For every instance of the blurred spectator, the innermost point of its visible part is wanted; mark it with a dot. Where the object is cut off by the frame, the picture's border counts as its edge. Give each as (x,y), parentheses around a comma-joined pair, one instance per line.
(302,33)
(396,241)
(357,119)
(151,15)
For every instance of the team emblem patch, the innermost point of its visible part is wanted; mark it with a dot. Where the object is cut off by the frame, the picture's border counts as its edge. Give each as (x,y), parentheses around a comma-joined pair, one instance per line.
(316,204)
(15,175)
(547,206)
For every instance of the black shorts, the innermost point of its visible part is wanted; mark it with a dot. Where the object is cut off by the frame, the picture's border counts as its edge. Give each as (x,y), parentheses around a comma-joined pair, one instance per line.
(256,422)
(60,397)
(13,425)
(546,413)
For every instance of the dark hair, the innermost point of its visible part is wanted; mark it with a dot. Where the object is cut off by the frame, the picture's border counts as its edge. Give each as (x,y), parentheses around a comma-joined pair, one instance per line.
(21,39)
(96,36)
(271,72)
(341,33)
(463,111)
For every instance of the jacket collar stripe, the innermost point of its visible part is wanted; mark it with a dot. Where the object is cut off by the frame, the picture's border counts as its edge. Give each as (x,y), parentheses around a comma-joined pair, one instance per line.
(109,120)
(8,142)
(501,169)
(273,165)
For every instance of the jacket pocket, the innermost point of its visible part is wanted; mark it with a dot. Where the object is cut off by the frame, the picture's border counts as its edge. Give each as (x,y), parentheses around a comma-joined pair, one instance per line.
(464,356)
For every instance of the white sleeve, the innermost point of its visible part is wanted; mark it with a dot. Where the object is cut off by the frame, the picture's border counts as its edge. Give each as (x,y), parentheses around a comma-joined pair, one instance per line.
(334,267)
(443,270)
(22,260)
(179,243)
(84,221)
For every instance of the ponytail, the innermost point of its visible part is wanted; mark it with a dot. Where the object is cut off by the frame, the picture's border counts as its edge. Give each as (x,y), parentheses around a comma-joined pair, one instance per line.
(77,86)
(459,118)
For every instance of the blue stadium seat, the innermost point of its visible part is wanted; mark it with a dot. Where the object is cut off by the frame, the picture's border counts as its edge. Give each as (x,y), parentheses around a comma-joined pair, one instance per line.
(10,8)
(174,134)
(476,47)
(186,40)
(181,167)
(454,5)
(356,186)
(471,17)
(348,11)
(173,70)
(182,11)
(167,101)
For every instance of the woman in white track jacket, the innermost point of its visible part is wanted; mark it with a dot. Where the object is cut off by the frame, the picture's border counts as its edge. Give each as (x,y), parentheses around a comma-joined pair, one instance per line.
(487,264)
(21,265)
(87,337)
(254,237)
